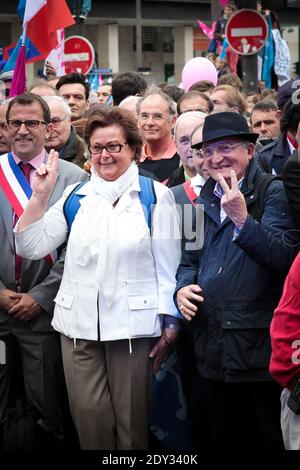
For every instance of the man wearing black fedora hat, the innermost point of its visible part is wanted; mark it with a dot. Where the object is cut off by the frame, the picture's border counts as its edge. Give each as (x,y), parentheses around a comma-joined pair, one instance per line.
(229,288)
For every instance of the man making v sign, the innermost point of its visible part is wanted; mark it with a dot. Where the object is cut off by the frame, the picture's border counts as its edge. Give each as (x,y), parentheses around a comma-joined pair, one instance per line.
(229,288)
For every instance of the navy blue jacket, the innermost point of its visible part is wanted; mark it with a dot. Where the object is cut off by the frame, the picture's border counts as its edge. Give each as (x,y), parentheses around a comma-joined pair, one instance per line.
(242,282)
(274,155)
(291,181)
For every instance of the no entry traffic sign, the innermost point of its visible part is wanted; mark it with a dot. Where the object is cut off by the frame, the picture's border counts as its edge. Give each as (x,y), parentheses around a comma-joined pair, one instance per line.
(246,32)
(79,55)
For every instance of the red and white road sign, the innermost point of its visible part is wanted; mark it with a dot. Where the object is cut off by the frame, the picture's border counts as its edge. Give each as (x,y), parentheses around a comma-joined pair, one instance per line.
(246,32)
(79,55)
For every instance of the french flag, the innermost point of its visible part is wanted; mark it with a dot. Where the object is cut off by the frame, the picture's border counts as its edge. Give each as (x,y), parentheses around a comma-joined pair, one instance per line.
(42,19)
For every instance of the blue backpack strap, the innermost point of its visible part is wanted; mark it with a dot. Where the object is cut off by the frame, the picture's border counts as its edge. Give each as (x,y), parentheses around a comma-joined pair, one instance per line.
(147,198)
(72,204)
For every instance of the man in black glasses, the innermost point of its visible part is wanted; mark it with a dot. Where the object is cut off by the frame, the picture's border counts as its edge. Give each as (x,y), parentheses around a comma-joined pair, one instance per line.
(27,288)
(230,287)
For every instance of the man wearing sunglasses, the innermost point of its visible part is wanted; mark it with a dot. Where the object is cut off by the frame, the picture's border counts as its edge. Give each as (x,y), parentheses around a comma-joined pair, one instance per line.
(230,287)
(27,288)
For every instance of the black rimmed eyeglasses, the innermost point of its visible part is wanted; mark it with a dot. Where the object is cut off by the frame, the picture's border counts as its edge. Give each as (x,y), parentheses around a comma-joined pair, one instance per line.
(110,148)
(30,124)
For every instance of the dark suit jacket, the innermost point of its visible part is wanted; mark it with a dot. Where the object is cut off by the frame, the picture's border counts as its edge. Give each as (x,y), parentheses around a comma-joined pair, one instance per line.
(176,178)
(274,155)
(37,279)
(291,181)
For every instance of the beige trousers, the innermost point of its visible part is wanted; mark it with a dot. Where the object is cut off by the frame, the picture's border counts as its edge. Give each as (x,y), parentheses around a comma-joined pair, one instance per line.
(290,424)
(109,391)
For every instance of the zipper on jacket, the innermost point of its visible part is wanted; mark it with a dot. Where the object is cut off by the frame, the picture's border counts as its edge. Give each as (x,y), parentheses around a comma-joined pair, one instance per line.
(98,319)
(74,341)
(130,346)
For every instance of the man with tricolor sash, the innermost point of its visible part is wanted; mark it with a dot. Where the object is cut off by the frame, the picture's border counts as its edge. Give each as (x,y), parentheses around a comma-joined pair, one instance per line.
(27,288)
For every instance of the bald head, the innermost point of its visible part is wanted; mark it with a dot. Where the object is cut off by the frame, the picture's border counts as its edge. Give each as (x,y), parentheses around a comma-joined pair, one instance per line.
(185,125)
(196,117)
(130,103)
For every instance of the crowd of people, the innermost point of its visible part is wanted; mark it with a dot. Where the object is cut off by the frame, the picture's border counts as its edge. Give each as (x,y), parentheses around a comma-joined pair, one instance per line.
(146,221)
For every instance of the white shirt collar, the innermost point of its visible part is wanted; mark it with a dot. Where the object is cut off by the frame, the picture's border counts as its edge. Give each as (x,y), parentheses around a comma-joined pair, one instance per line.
(197,182)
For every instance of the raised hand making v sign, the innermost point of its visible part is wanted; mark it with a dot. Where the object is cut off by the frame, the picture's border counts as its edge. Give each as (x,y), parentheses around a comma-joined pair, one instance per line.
(43,184)
(233,201)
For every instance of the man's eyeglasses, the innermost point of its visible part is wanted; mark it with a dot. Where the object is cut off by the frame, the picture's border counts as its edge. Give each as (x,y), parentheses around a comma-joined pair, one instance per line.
(154,116)
(56,121)
(30,124)
(224,149)
(110,148)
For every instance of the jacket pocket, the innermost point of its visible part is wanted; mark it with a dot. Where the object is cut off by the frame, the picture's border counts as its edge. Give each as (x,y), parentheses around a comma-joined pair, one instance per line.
(65,302)
(64,299)
(247,344)
(247,350)
(143,318)
(142,302)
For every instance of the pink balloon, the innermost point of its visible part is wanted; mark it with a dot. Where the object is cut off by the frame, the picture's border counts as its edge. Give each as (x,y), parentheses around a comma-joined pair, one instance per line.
(198,69)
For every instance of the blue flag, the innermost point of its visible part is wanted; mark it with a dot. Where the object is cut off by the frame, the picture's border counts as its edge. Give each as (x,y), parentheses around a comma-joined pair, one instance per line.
(21,8)
(94,81)
(31,52)
(269,57)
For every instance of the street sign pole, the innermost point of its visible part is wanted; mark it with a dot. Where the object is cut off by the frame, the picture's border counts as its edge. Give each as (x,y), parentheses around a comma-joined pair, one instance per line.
(249,64)
(250,72)
(139,62)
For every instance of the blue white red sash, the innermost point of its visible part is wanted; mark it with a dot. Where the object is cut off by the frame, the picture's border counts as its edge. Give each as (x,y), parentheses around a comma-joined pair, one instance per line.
(17,190)
(190,192)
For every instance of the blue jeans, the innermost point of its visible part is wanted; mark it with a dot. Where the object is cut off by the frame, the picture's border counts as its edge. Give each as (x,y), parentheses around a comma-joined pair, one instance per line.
(86,6)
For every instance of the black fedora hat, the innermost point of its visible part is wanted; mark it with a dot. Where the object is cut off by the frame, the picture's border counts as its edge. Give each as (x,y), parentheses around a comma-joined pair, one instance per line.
(225,124)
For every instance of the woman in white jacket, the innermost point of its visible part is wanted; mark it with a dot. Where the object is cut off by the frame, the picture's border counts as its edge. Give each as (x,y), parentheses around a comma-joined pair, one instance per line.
(117,288)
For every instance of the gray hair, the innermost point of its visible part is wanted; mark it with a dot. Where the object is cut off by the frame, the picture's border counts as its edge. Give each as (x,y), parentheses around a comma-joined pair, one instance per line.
(58,99)
(154,90)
